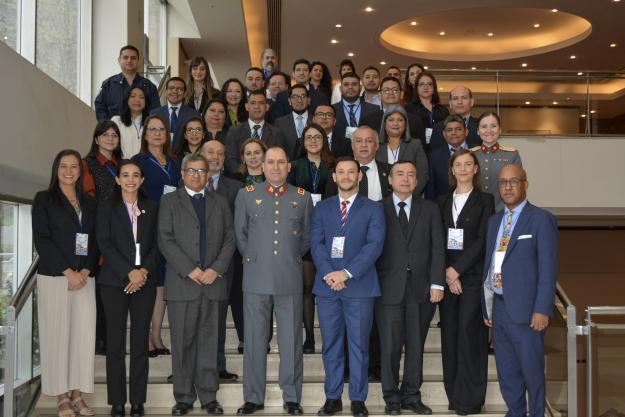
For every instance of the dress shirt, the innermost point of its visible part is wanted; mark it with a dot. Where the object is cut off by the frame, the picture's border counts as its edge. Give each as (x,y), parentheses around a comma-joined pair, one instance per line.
(177,106)
(374,191)
(392,155)
(133,214)
(304,119)
(374,100)
(192,193)
(351,202)
(252,124)
(453,150)
(330,139)
(357,109)
(459,200)
(215,181)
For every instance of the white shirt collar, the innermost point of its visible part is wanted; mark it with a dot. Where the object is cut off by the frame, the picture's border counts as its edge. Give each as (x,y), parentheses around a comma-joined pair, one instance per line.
(192,193)
(252,124)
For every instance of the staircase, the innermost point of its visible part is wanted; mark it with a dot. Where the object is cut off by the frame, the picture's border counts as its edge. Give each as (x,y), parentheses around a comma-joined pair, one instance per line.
(160,397)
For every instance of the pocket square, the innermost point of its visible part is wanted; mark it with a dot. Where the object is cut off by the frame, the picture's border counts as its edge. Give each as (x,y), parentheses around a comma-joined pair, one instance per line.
(524,237)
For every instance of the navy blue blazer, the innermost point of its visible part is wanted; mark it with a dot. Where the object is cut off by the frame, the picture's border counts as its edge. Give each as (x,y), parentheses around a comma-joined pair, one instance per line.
(281,106)
(184,114)
(341,120)
(438,181)
(364,233)
(530,266)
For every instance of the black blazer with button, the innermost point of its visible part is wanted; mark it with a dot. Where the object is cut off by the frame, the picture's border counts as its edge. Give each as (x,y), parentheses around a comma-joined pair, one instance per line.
(55,224)
(473,219)
(117,243)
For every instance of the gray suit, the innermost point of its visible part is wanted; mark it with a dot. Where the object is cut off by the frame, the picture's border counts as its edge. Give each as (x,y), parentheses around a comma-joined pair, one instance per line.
(286,124)
(411,151)
(193,309)
(272,231)
(270,136)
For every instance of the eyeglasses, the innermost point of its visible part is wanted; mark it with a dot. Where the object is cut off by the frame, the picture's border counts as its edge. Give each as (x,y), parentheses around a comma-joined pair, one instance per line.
(298,97)
(195,130)
(256,103)
(514,182)
(194,171)
(390,90)
(322,115)
(425,85)
(177,89)
(313,138)
(233,91)
(155,130)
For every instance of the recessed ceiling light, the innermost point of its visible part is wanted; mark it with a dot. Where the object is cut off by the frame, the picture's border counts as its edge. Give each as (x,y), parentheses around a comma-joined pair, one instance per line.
(425,67)
(382,62)
(350,54)
(441,33)
(555,103)
(580,73)
(582,115)
(616,1)
(612,45)
(524,64)
(440,88)
(573,56)
(536,25)
(334,41)
(413,23)
(528,102)
(491,34)
(593,111)
(554,10)
(338,25)
(368,9)
(473,68)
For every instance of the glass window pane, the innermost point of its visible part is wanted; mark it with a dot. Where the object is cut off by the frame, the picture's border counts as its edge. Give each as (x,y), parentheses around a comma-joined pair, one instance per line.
(8,22)
(57,41)
(155,32)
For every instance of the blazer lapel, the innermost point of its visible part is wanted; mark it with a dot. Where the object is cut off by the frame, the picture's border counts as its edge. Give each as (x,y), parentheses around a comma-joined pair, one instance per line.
(185,201)
(471,201)
(448,216)
(353,210)
(122,213)
(415,210)
(518,228)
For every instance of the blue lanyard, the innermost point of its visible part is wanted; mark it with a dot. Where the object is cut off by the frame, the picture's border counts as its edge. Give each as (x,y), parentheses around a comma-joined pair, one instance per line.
(394,153)
(166,171)
(314,174)
(110,170)
(356,109)
(431,116)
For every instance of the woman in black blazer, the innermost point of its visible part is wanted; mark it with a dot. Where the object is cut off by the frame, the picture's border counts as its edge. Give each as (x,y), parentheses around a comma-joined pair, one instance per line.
(464,337)
(126,232)
(63,220)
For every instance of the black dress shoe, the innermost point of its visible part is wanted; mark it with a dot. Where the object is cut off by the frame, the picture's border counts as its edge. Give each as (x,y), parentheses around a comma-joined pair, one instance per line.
(181,409)
(118,411)
(359,409)
(227,376)
(392,409)
(293,409)
(417,407)
(153,353)
(136,410)
(330,408)
(469,411)
(214,408)
(309,347)
(162,351)
(249,408)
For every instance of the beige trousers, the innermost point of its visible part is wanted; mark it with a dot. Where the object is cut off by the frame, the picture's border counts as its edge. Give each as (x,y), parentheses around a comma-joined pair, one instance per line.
(66,335)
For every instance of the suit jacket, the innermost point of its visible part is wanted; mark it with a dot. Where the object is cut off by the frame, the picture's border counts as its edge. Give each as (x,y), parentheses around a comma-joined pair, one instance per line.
(415,125)
(439,113)
(530,265)
(117,243)
(55,224)
(438,183)
(341,120)
(411,151)
(383,170)
(238,134)
(473,218)
(287,128)
(364,238)
(228,188)
(422,251)
(184,114)
(300,175)
(438,141)
(340,145)
(281,106)
(178,241)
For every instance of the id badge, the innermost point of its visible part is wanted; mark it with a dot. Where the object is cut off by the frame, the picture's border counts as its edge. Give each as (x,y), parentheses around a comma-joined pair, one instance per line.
(428,135)
(315,198)
(338,246)
(82,244)
(349,131)
(168,189)
(455,239)
(137,253)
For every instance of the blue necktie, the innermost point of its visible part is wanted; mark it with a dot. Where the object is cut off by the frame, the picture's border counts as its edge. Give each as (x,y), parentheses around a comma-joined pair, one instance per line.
(300,125)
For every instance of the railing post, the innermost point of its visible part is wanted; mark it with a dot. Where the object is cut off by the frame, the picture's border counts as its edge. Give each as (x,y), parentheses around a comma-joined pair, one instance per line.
(571,359)
(589,370)
(9,360)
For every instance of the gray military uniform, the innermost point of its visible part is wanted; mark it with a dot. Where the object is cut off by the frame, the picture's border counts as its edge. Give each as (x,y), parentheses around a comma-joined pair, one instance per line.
(491,161)
(272,233)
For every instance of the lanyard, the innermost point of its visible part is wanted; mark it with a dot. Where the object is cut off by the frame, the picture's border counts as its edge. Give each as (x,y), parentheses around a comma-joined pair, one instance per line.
(431,116)
(394,153)
(166,171)
(110,170)
(314,173)
(137,128)
(356,108)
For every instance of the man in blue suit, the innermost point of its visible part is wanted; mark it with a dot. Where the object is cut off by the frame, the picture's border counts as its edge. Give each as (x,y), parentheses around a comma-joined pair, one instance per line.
(175,112)
(347,236)
(519,292)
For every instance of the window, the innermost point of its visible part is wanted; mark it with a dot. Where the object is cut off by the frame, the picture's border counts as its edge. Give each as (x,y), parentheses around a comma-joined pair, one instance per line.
(9,22)
(155,28)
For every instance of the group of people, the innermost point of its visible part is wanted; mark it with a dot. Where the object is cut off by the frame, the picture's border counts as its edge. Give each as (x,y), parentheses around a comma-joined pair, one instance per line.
(273,196)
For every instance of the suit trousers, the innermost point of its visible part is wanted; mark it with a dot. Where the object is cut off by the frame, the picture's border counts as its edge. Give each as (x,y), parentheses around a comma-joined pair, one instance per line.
(194,332)
(404,324)
(520,359)
(338,316)
(257,311)
(117,304)
(66,335)
(464,343)
(236,294)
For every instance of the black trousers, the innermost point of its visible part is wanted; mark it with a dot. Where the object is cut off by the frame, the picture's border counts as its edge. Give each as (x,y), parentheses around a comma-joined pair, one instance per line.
(464,342)
(404,324)
(236,294)
(117,304)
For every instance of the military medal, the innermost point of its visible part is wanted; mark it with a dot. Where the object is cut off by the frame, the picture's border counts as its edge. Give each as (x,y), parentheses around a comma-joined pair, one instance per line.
(259,202)
(294,204)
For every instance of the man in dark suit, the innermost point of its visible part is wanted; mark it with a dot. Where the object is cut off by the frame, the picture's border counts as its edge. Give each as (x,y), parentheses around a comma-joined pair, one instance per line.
(215,153)
(352,108)
(175,112)
(460,103)
(255,127)
(292,125)
(391,93)
(325,116)
(196,237)
(347,235)
(374,184)
(455,134)
(521,267)
(412,278)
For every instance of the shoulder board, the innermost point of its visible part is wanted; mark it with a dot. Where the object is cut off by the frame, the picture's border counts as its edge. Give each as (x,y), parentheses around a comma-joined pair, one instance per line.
(475,148)
(506,148)
(300,191)
(249,188)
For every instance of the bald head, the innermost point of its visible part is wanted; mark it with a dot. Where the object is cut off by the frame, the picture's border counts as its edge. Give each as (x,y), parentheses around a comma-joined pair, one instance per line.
(215,153)
(461,101)
(365,144)
(512,185)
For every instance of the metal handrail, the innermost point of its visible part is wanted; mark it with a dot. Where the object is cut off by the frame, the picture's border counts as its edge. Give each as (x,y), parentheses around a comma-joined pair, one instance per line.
(166,76)
(26,287)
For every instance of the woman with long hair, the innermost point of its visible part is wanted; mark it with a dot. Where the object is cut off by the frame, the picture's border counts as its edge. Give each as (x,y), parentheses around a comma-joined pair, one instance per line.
(426,104)
(100,165)
(234,94)
(200,85)
(63,221)
(193,137)
(410,82)
(252,154)
(135,109)
(215,120)
(320,78)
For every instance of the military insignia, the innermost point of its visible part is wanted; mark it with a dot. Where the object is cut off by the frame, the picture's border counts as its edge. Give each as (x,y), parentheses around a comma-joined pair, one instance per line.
(281,189)
(259,202)
(300,191)
(295,204)
(249,188)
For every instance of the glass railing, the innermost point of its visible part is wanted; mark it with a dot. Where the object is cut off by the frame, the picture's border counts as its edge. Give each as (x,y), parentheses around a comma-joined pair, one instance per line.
(159,76)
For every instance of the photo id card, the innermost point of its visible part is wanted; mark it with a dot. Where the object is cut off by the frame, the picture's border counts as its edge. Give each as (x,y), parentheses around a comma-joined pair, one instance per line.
(82,244)
(349,131)
(315,198)
(168,189)
(137,253)
(428,134)
(338,246)
(455,239)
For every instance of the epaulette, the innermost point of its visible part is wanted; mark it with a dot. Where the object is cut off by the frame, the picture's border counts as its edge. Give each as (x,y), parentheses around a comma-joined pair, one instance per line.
(249,188)
(475,148)
(300,191)
(506,148)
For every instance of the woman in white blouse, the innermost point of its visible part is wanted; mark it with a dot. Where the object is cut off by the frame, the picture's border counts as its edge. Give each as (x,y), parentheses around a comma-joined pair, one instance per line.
(134,109)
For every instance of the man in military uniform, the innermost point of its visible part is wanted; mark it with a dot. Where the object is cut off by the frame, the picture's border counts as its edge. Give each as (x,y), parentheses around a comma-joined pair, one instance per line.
(272,231)
(492,159)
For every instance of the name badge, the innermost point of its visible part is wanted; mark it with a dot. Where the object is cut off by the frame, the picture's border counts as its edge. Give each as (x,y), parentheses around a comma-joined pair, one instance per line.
(82,244)
(455,239)
(315,198)
(349,131)
(168,189)
(428,135)
(338,245)
(137,253)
